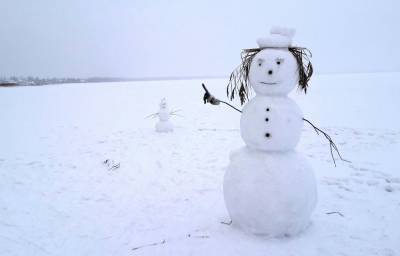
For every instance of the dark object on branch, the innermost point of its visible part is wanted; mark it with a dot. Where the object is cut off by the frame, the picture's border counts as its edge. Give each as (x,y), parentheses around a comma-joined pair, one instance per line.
(214,101)
(335,213)
(147,245)
(238,84)
(209,98)
(332,145)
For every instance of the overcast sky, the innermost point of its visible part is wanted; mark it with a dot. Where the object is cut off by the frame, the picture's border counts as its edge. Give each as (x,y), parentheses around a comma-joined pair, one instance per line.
(125,38)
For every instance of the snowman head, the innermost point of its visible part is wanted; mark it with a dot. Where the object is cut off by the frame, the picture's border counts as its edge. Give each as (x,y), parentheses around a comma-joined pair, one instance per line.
(163,103)
(275,68)
(273,72)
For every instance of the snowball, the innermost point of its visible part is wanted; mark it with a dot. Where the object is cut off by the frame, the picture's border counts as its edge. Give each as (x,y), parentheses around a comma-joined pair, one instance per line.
(269,194)
(271,123)
(164,126)
(163,103)
(274,72)
(164,114)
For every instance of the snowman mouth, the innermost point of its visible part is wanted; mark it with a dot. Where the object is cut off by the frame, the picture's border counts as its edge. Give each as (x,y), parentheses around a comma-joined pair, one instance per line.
(271,83)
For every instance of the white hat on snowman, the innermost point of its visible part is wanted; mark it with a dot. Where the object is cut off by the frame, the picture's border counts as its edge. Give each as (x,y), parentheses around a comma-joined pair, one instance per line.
(279,37)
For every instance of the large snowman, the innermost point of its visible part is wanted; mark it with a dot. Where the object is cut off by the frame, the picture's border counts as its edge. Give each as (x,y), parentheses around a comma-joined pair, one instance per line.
(269,187)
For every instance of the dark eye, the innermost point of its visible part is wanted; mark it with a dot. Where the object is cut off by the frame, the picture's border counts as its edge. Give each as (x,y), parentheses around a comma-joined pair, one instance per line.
(259,64)
(278,62)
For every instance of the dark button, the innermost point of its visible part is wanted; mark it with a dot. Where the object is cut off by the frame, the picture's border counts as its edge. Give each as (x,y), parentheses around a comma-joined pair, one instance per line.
(266,119)
(267,109)
(267,135)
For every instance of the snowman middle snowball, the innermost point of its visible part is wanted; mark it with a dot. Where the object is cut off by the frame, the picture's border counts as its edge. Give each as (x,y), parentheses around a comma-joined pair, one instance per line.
(269,188)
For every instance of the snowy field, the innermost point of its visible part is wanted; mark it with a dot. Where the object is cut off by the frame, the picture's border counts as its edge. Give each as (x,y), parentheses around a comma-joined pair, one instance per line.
(57,197)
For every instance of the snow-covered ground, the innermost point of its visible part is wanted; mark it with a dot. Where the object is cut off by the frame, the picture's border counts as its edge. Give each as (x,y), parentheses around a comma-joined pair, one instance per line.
(57,197)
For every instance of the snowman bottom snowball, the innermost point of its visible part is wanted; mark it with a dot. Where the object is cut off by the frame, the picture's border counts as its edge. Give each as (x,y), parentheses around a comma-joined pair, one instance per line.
(164,126)
(269,194)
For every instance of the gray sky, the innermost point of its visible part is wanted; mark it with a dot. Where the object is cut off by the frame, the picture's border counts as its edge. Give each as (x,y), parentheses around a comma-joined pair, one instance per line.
(80,38)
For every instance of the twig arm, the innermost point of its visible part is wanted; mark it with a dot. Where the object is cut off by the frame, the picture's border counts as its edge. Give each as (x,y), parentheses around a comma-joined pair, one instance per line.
(332,144)
(152,115)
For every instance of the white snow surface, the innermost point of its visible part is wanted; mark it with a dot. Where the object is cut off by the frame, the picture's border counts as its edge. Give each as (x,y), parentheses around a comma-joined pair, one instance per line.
(164,126)
(57,197)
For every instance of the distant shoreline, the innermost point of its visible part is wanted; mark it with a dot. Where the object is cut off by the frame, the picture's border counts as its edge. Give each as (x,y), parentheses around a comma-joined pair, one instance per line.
(30,81)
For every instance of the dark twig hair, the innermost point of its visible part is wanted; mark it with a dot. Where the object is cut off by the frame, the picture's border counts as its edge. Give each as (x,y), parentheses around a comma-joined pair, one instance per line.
(306,70)
(239,79)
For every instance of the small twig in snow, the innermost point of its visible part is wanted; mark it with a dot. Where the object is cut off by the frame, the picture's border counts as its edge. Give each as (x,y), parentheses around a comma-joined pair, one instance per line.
(115,166)
(111,164)
(198,236)
(226,223)
(148,245)
(335,213)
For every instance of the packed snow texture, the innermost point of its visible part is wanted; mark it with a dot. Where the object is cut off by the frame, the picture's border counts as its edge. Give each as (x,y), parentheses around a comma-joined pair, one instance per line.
(279,118)
(57,197)
(164,126)
(269,193)
(273,72)
(278,37)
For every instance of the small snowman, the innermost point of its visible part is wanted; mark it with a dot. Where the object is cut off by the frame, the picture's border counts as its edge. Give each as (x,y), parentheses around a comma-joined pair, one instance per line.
(164,124)
(269,187)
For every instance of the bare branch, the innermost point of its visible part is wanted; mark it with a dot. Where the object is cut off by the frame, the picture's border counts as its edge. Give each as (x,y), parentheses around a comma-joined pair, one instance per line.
(115,166)
(332,145)
(148,245)
(152,115)
(198,236)
(174,111)
(335,213)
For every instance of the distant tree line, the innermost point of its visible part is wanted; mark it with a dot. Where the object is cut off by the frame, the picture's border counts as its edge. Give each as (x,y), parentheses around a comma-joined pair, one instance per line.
(32,81)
